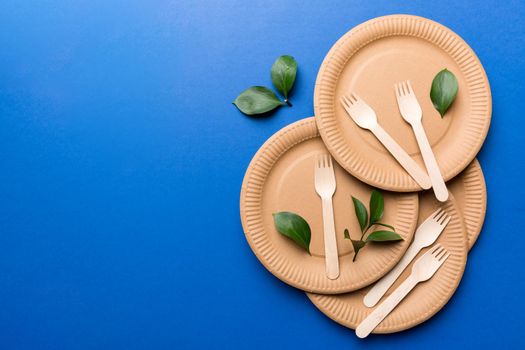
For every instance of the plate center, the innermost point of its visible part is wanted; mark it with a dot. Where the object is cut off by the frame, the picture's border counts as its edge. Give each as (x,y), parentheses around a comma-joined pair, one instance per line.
(291,187)
(374,69)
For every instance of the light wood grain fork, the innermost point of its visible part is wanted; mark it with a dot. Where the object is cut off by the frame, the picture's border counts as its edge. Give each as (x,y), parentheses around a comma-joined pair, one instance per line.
(325,188)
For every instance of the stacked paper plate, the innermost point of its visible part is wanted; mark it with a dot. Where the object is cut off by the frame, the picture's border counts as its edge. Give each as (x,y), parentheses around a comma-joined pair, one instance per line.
(370,59)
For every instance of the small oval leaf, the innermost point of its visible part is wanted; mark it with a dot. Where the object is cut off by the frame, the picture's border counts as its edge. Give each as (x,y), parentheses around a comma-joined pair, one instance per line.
(383,236)
(294,227)
(257,100)
(284,71)
(444,90)
(377,206)
(361,213)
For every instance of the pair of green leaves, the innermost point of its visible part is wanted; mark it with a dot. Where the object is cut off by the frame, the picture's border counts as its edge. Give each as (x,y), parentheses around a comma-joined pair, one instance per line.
(260,99)
(444,90)
(377,209)
(294,227)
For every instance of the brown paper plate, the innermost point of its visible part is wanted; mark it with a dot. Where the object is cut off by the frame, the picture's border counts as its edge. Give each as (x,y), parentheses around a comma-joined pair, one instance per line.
(427,298)
(470,193)
(368,60)
(281,178)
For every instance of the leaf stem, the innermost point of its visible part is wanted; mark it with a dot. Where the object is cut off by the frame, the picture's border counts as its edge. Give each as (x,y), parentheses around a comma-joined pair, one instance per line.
(365,231)
(288,102)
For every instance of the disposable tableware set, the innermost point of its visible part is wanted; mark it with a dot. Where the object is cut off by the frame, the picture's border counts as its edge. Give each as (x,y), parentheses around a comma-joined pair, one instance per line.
(377,135)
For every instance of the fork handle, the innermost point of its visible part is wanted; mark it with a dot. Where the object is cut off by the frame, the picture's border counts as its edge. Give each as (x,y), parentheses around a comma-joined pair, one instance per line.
(330,242)
(385,308)
(402,157)
(380,288)
(438,185)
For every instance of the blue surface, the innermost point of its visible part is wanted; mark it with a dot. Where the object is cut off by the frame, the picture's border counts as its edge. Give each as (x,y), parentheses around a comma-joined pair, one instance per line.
(116,115)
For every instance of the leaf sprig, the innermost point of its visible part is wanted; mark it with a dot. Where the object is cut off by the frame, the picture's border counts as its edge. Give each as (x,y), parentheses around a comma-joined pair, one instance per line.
(377,208)
(260,99)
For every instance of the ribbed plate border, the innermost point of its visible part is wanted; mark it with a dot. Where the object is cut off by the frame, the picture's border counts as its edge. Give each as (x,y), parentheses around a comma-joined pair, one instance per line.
(475,200)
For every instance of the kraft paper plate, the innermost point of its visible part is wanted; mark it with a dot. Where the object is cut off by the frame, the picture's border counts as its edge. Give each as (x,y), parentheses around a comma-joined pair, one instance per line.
(280,177)
(470,193)
(427,298)
(368,60)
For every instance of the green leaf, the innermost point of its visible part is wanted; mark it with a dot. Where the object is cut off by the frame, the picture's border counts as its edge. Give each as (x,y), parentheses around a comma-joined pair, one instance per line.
(383,236)
(377,206)
(443,91)
(361,213)
(357,247)
(355,243)
(294,227)
(385,225)
(257,100)
(284,71)
(358,244)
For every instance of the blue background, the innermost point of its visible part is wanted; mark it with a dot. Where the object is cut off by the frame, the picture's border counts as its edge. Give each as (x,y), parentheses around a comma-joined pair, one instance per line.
(122,159)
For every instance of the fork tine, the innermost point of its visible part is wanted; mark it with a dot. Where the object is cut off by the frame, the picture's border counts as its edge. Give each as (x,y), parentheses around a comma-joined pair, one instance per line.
(447,220)
(329,161)
(410,91)
(440,253)
(436,213)
(399,90)
(396,90)
(405,88)
(345,101)
(441,216)
(356,97)
(435,248)
(444,257)
(318,161)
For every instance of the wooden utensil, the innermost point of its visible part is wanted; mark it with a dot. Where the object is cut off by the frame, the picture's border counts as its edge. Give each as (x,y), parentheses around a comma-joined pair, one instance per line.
(364,116)
(426,234)
(424,268)
(412,113)
(325,188)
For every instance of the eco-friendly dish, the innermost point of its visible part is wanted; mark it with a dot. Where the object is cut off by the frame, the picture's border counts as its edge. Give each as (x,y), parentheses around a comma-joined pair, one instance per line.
(369,60)
(307,217)
(281,178)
